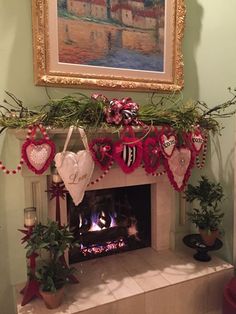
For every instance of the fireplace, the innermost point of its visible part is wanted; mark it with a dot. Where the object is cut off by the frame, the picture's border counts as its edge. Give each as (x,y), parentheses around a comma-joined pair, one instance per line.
(167,210)
(110,221)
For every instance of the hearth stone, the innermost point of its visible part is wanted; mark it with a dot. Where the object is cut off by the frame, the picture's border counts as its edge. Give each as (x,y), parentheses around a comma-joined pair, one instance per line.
(141,282)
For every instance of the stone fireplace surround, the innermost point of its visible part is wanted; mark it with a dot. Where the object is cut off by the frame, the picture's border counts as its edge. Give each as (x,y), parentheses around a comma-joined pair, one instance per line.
(165,202)
(146,281)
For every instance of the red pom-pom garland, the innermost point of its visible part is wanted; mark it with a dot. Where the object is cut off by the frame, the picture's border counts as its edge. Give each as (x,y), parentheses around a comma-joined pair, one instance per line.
(102,175)
(13,171)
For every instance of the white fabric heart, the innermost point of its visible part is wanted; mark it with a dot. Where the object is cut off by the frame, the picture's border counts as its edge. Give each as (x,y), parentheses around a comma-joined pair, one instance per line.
(75,170)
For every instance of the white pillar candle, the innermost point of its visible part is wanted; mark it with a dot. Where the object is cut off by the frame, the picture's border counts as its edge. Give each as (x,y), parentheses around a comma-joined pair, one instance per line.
(56,178)
(30,216)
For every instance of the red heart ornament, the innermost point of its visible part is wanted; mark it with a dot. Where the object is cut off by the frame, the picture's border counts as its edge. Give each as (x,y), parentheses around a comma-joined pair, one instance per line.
(128,154)
(102,152)
(197,141)
(151,155)
(128,151)
(178,167)
(38,154)
(168,144)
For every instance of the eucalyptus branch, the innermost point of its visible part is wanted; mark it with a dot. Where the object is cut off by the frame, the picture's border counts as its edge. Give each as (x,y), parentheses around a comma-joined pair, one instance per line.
(15,99)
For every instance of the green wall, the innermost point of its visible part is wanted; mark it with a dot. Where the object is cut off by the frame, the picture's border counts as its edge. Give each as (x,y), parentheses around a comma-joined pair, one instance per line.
(210,67)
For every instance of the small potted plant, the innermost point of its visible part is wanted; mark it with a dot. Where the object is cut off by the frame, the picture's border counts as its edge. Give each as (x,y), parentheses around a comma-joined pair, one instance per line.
(208,216)
(52,277)
(53,272)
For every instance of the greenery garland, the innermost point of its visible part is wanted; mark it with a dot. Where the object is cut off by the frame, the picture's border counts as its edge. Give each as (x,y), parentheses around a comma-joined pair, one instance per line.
(81,110)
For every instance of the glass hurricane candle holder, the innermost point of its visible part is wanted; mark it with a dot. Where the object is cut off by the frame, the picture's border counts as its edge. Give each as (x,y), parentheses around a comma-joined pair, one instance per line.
(30,217)
(55,176)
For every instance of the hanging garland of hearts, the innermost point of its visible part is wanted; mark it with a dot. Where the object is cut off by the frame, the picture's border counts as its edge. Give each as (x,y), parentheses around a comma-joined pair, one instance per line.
(157,149)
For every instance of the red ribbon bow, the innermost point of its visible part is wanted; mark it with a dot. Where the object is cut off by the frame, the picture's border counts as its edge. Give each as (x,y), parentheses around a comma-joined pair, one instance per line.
(122,112)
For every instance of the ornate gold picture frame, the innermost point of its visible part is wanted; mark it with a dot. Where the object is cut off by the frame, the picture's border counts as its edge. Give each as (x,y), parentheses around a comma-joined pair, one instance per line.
(109,44)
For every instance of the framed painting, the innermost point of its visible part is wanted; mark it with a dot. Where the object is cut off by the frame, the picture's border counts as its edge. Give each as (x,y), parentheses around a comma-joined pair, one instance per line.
(109,44)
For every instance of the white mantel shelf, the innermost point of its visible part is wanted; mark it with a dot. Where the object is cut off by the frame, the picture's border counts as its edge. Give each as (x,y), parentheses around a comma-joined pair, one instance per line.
(52,132)
(142,282)
(109,130)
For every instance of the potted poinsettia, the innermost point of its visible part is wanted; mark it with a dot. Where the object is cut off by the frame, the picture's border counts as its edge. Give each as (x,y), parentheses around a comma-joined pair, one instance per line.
(208,215)
(52,272)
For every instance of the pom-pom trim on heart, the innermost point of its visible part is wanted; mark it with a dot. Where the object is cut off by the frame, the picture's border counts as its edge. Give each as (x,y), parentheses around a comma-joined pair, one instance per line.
(186,175)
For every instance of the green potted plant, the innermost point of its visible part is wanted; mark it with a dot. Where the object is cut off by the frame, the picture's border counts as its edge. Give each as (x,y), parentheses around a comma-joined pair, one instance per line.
(208,216)
(53,272)
(52,276)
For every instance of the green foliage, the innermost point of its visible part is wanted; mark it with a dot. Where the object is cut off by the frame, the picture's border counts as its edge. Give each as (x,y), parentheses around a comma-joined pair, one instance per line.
(208,194)
(50,237)
(53,276)
(81,110)
(54,239)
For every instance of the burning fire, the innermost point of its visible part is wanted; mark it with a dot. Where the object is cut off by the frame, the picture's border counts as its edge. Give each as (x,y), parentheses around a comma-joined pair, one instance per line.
(99,222)
(106,247)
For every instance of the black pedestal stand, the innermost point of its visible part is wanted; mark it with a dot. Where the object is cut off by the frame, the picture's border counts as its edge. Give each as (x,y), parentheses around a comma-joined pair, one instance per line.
(194,241)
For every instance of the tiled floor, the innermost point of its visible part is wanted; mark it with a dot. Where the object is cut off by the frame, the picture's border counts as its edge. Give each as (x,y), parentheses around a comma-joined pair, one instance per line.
(142,282)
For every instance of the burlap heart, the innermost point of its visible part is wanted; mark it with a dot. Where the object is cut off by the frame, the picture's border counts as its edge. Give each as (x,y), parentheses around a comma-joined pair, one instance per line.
(178,167)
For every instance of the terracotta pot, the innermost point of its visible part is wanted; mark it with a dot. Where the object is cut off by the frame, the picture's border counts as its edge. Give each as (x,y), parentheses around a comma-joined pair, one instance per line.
(52,300)
(209,238)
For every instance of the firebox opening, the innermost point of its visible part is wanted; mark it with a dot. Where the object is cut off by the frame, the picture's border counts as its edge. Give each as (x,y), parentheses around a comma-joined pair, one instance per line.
(110,221)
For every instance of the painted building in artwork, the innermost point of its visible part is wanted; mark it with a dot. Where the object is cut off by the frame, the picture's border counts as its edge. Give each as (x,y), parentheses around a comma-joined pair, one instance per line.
(93,8)
(131,13)
(99,9)
(79,7)
(136,4)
